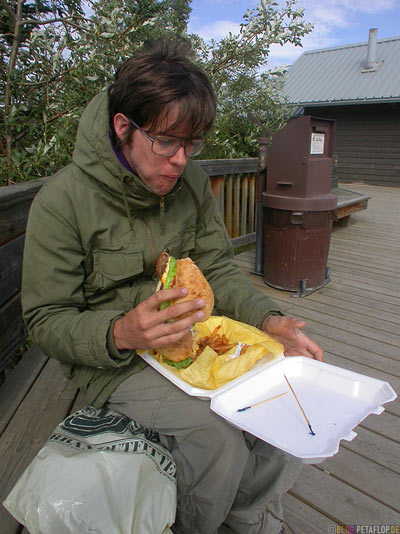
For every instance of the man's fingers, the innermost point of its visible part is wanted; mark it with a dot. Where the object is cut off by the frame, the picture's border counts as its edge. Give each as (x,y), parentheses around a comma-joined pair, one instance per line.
(170,332)
(147,312)
(304,351)
(174,311)
(287,330)
(313,349)
(175,326)
(167,294)
(309,351)
(170,338)
(296,323)
(146,327)
(317,353)
(296,351)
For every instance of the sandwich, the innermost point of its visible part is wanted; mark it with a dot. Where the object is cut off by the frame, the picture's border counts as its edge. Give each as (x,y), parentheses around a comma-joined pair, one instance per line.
(183,273)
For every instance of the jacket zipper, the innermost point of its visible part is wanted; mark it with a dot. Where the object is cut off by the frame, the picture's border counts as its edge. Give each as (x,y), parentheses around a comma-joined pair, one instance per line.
(162,214)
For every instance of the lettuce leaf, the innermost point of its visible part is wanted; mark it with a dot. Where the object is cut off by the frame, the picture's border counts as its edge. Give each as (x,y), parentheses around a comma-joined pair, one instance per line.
(179,365)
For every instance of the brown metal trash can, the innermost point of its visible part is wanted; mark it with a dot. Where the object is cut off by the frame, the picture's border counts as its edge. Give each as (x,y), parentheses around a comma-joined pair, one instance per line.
(296,246)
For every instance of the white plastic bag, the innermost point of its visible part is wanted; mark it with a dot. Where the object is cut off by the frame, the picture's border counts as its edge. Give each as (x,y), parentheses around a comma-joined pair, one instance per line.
(98,472)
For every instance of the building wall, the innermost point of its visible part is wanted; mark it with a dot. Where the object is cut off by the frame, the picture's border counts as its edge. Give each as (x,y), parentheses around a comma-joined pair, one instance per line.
(367,142)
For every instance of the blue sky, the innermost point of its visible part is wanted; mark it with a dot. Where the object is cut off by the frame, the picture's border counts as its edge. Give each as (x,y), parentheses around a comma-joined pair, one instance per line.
(336,22)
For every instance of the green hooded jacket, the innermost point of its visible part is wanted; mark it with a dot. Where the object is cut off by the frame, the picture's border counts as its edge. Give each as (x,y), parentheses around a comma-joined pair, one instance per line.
(93,235)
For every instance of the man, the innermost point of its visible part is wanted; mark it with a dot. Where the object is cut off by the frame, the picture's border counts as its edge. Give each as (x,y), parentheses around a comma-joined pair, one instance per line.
(93,236)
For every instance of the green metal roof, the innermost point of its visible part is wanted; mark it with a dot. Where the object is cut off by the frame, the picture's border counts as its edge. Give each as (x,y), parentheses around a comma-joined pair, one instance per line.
(338,75)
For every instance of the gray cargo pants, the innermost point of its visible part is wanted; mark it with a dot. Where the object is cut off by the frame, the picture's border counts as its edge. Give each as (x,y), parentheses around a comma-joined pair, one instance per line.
(224,475)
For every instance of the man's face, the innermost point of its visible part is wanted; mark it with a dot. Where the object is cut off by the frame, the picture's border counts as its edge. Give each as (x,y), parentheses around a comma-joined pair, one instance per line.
(160,173)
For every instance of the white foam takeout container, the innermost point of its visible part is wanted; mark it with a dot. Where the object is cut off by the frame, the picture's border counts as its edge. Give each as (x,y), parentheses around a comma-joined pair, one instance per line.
(335,401)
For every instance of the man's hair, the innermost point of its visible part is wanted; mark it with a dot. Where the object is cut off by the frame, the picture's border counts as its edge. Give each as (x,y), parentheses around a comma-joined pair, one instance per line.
(153,80)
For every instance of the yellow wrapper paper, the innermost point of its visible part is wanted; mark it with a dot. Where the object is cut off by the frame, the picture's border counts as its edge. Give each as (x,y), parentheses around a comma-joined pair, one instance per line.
(211,371)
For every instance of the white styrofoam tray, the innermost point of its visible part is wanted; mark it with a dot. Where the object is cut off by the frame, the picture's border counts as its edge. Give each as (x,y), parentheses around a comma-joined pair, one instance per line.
(335,401)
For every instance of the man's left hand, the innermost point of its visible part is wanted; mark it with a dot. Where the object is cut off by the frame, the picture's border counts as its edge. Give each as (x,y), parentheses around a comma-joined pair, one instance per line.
(287,330)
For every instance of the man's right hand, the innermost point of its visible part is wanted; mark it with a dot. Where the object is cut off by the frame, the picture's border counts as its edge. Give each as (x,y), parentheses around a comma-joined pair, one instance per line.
(146,327)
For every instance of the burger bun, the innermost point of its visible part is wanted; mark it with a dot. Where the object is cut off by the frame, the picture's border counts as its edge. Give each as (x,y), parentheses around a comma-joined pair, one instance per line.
(190,277)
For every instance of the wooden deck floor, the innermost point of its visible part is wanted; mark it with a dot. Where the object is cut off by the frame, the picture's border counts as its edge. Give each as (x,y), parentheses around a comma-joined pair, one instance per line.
(356,319)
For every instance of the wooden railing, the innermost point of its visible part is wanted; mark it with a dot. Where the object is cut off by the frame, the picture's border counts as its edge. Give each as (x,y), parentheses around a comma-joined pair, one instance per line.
(233,182)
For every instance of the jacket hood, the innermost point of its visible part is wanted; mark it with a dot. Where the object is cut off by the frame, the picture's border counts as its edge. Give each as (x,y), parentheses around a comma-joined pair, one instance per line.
(94,155)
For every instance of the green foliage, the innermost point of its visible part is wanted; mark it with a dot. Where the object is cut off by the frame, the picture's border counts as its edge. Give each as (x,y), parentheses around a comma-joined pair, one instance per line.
(57,55)
(249,104)
(52,73)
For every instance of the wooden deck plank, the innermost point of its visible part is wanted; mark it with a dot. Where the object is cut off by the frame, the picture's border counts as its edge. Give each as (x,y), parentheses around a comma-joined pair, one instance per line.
(365,475)
(379,283)
(340,329)
(362,307)
(303,518)
(386,424)
(369,237)
(343,293)
(369,285)
(368,232)
(386,272)
(386,266)
(18,383)
(43,408)
(382,450)
(351,293)
(344,504)
(345,289)
(356,319)
(351,314)
(382,343)
(340,243)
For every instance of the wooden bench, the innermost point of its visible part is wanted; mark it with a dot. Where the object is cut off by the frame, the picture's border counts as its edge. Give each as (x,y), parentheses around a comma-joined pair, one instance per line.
(35,395)
(348,202)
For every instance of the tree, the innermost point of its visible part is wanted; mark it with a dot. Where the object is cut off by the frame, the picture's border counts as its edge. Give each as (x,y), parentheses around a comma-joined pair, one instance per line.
(51,73)
(249,95)
(26,59)
(57,55)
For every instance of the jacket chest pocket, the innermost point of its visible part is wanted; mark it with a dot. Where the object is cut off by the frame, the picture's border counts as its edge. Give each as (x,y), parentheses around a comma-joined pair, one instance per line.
(114,266)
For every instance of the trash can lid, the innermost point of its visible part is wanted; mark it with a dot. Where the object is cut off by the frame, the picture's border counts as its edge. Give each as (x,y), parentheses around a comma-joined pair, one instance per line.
(317,203)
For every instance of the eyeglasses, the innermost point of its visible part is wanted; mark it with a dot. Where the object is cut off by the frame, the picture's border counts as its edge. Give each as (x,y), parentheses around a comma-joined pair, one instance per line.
(168,146)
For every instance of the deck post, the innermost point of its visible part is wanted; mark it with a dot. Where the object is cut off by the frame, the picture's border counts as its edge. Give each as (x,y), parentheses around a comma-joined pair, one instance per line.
(260,187)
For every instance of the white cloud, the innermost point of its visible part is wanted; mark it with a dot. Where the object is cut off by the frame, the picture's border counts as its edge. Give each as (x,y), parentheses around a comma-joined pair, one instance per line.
(249,4)
(330,17)
(215,30)
(291,52)
(368,6)
(342,13)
